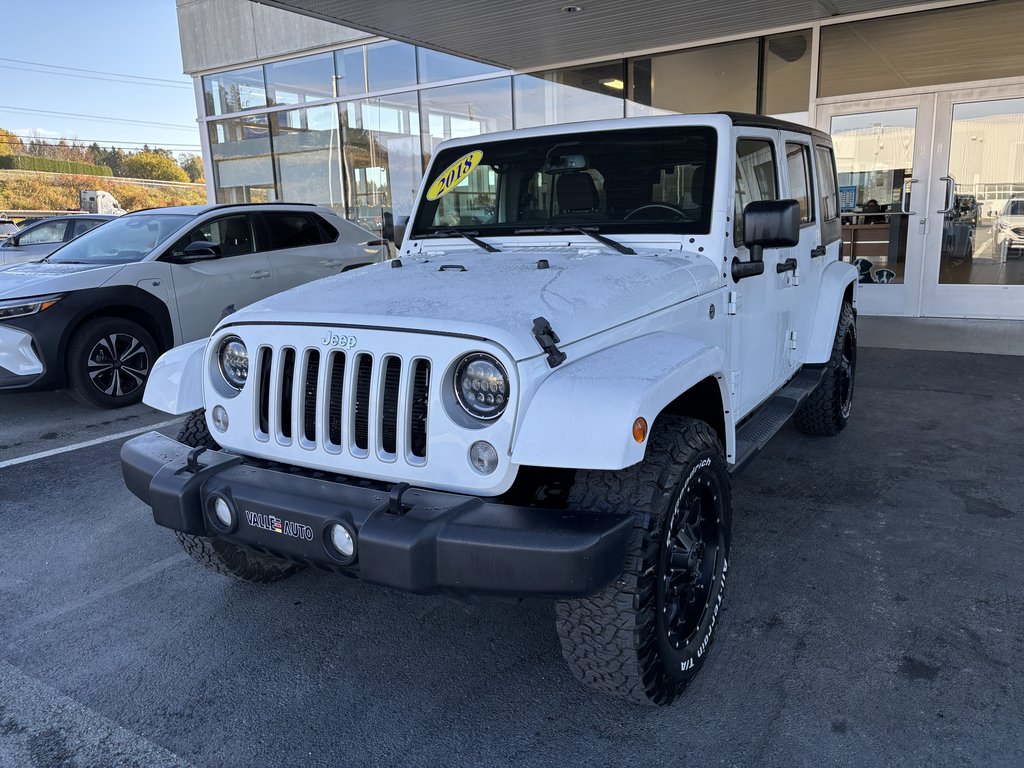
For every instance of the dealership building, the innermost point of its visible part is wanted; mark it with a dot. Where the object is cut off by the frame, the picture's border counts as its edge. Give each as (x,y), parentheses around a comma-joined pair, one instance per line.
(342,103)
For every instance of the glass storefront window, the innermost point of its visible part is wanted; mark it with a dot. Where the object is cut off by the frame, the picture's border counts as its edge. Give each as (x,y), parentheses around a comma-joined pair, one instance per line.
(435,66)
(593,92)
(382,165)
(296,81)
(972,42)
(786,82)
(465,110)
(243,171)
(350,64)
(709,79)
(234,91)
(307,156)
(390,65)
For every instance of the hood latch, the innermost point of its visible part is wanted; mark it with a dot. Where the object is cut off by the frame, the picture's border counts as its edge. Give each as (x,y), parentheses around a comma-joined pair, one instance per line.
(548,340)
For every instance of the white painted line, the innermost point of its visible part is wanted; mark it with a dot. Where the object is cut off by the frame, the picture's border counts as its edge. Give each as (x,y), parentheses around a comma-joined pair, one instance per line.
(86,444)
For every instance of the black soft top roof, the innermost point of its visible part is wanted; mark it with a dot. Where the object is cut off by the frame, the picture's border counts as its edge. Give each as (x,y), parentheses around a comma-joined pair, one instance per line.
(762,121)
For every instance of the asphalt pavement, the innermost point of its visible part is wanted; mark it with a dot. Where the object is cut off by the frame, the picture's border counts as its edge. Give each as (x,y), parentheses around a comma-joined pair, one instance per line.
(874,616)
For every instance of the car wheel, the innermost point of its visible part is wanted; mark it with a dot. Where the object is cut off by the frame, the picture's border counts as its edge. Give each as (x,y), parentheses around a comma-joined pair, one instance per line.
(826,411)
(108,362)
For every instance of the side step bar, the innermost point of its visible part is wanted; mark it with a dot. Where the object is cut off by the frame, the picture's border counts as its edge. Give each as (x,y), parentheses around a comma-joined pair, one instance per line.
(772,416)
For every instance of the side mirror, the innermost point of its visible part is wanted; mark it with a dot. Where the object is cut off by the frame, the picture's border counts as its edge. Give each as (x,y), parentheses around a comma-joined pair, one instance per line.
(387,226)
(399,229)
(770,224)
(200,250)
(11,242)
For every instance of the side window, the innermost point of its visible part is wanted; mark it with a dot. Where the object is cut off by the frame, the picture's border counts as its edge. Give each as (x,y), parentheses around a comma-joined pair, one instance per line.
(291,230)
(81,226)
(827,183)
(801,188)
(329,231)
(756,178)
(232,234)
(48,232)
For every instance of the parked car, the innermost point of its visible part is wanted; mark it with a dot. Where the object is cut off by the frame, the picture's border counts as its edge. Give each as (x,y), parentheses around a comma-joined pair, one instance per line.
(39,240)
(1009,228)
(98,311)
(549,404)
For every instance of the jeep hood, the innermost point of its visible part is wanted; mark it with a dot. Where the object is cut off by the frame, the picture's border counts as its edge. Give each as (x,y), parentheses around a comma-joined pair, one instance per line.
(40,278)
(496,295)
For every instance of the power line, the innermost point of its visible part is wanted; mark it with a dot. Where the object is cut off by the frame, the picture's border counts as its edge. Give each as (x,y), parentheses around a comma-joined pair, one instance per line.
(92,71)
(181,86)
(46,112)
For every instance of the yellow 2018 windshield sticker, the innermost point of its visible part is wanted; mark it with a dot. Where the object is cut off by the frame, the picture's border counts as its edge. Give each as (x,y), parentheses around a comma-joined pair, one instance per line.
(453,174)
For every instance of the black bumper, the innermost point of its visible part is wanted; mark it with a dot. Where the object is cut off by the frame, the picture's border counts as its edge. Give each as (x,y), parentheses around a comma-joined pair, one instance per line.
(417,540)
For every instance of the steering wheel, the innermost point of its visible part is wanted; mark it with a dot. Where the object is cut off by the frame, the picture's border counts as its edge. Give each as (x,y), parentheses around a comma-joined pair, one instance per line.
(662,206)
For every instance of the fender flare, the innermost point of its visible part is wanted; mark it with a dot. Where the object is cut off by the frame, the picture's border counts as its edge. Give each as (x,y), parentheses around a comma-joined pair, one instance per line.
(175,384)
(835,279)
(582,415)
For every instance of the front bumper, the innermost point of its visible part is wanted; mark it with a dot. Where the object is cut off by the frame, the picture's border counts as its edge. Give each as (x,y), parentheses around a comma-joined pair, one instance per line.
(412,539)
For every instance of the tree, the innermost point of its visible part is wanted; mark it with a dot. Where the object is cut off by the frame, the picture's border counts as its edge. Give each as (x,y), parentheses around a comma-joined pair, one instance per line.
(193,166)
(152,165)
(10,144)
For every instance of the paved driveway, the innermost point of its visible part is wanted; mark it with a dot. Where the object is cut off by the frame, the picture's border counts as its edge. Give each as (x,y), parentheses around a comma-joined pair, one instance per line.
(874,618)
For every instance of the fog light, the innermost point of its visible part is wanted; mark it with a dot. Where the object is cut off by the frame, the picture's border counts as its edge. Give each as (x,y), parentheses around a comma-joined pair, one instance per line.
(483,457)
(341,540)
(222,510)
(220,419)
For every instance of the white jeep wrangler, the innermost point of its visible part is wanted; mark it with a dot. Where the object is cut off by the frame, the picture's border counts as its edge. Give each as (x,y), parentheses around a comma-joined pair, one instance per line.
(588,329)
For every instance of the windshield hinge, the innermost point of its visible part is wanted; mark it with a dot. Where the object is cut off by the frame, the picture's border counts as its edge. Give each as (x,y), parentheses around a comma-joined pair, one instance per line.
(547,339)
(730,307)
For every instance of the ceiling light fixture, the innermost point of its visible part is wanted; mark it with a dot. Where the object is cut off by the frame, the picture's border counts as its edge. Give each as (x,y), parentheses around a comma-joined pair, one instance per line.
(613,83)
(572,8)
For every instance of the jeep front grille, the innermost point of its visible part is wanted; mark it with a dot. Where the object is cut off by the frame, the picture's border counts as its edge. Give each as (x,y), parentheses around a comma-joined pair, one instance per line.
(360,404)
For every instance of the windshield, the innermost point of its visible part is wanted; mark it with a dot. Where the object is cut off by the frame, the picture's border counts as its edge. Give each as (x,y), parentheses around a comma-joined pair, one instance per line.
(658,180)
(124,240)
(1015,208)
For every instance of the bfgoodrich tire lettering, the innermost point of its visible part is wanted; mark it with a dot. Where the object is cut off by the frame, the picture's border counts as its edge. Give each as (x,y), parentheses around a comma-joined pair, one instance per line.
(827,409)
(647,634)
(216,554)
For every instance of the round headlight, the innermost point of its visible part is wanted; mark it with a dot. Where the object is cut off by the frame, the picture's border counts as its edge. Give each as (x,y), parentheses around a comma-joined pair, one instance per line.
(233,358)
(482,386)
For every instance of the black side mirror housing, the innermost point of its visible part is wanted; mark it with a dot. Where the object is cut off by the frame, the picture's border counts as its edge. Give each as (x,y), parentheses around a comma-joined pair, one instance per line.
(387,227)
(770,224)
(200,250)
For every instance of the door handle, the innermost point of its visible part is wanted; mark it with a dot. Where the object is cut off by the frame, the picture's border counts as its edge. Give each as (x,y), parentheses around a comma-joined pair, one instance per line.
(789,265)
(330,263)
(950,190)
(906,194)
(819,251)
(259,275)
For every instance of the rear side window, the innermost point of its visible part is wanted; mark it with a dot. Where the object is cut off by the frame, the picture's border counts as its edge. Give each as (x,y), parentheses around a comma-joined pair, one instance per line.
(827,183)
(756,178)
(81,226)
(798,162)
(47,232)
(292,230)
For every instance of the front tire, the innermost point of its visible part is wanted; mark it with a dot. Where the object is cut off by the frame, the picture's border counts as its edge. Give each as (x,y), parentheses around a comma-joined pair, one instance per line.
(826,411)
(108,362)
(218,555)
(645,636)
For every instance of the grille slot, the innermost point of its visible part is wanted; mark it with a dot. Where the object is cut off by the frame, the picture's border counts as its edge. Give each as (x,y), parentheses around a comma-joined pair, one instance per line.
(285,393)
(418,409)
(361,426)
(310,386)
(335,394)
(389,411)
(263,395)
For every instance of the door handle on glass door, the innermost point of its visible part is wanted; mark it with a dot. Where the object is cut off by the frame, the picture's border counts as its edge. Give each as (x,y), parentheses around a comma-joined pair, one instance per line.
(259,275)
(950,193)
(906,194)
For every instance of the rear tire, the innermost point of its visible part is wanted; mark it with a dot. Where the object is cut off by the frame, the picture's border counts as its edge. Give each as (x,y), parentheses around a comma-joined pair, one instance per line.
(218,555)
(108,362)
(826,411)
(645,636)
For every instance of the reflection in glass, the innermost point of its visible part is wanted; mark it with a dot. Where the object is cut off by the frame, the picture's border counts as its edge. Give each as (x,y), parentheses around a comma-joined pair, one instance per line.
(983,230)
(390,65)
(307,156)
(465,110)
(243,171)
(874,159)
(435,66)
(381,139)
(350,64)
(593,92)
(296,81)
(709,79)
(786,82)
(234,91)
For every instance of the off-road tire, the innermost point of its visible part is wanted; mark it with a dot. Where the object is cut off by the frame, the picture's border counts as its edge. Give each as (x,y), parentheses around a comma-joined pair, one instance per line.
(216,554)
(617,641)
(106,347)
(826,411)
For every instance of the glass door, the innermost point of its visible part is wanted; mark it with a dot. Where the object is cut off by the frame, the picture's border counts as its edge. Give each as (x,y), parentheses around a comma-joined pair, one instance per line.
(883,152)
(975,250)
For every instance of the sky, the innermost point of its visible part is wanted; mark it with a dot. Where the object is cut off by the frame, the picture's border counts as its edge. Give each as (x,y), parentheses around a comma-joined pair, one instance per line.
(135,84)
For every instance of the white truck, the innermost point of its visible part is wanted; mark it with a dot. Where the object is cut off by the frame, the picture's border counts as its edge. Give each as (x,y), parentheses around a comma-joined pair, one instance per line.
(589,329)
(99,201)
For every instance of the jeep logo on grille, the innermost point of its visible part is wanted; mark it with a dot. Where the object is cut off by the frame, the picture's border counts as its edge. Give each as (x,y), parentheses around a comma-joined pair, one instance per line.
(338,340)
(275,524)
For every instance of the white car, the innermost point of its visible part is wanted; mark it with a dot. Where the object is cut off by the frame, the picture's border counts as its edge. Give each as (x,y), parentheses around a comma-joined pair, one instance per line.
(1009,227)
(591,327)
(99,311)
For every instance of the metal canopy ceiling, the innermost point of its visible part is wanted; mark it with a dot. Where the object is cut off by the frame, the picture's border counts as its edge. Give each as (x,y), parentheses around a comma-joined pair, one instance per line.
(526,34)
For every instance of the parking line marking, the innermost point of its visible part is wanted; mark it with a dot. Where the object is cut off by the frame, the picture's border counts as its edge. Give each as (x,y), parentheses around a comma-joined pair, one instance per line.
(86,444)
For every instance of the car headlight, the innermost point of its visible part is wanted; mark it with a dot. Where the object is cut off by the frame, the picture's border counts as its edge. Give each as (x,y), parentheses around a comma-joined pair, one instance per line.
(481,386)
(233,358)
(23,307)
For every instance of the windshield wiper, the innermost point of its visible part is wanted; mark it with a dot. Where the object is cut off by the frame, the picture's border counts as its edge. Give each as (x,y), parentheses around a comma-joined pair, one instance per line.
(588,231)
(471,236)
